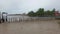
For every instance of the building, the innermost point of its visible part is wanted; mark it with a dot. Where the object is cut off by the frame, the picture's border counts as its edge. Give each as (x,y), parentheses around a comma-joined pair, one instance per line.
(16,17)
(56,13)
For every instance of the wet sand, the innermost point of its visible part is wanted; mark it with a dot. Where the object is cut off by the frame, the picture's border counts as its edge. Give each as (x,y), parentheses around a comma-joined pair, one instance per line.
(34,27)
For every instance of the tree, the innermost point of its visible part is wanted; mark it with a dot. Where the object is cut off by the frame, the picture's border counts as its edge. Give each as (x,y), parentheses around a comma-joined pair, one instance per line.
(40,12)
(53,11)
(49,13)
(31,13)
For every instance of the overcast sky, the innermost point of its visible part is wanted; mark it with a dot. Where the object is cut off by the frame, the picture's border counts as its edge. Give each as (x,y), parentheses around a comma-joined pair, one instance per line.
(24,6)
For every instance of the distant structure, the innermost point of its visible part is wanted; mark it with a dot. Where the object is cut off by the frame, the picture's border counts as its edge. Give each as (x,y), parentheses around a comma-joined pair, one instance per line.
(3,17)
(57,13)
(16,17)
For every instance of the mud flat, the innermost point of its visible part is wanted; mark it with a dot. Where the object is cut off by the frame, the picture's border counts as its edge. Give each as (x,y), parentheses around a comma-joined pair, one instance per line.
(34,27)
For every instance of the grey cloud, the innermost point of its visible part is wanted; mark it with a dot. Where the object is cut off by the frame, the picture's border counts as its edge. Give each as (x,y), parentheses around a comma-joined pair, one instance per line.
(21,6)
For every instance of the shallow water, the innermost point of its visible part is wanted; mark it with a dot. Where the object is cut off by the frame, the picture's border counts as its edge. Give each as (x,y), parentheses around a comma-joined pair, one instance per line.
(36,27)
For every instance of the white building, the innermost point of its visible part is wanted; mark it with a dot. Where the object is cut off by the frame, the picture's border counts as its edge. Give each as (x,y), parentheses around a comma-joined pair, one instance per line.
(16,17)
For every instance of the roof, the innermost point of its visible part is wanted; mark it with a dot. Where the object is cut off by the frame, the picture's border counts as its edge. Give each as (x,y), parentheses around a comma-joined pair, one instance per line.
(16,15)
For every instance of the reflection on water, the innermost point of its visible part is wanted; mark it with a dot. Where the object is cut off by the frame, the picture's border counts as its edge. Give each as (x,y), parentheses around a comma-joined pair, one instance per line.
(41,27)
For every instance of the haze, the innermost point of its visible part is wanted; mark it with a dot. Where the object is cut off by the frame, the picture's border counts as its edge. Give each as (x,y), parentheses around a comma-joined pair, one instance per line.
(24,6)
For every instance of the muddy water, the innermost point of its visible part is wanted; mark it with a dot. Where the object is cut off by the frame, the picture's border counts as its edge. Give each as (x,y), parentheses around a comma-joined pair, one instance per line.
(36,27)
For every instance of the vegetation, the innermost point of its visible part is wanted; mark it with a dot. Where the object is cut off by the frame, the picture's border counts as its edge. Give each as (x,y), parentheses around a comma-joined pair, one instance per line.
(41,13)
(31,13)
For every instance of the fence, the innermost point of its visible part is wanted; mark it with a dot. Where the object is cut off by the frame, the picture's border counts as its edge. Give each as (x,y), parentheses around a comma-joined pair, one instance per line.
(29,19)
